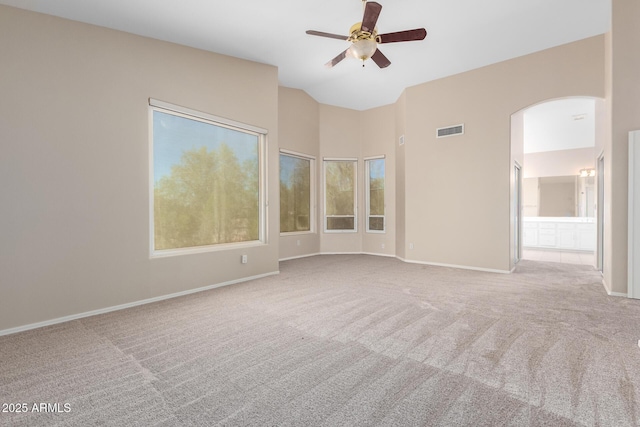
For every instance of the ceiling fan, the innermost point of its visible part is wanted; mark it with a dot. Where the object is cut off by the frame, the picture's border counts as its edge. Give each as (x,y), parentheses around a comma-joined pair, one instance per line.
(364,38)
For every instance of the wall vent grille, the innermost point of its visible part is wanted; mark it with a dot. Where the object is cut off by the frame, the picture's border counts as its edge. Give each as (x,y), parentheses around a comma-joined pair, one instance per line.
(450,131)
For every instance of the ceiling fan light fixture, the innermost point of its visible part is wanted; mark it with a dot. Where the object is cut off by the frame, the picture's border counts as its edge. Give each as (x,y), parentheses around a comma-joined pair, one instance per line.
(364,38)
(363,49)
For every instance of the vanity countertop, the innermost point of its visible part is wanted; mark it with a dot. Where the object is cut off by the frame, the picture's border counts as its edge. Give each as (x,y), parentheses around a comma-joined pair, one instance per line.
(558,219)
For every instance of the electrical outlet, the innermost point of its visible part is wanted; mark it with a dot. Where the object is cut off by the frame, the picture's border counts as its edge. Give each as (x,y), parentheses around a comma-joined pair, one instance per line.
(244,259)
(382,246)
(410,245)
(298,242)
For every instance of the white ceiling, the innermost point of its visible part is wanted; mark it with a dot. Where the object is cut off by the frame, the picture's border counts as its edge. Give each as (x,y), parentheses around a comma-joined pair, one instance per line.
(462,35)
(562,124)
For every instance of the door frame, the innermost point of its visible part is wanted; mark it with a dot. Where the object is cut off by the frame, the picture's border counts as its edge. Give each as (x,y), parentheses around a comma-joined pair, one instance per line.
(517,212)
(600,169)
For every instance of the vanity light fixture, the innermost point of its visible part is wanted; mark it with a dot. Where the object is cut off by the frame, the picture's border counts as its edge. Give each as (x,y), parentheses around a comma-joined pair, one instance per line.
(587,172)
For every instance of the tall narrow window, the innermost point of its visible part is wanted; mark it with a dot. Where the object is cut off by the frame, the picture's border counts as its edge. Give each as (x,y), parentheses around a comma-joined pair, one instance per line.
(296,192)
(340,177)
(375,195)
(207,183)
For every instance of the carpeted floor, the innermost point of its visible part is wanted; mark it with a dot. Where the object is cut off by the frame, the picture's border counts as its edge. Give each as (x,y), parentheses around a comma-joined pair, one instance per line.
(344,341)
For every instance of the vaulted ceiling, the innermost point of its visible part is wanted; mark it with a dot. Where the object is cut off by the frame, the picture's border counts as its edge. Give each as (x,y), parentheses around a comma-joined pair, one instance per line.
(462,35)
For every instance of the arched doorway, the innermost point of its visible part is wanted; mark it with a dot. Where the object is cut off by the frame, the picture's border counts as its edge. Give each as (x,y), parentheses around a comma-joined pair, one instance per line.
(555,148)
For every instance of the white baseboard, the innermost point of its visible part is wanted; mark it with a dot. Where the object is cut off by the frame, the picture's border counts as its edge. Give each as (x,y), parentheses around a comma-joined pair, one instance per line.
(611,293)
(340,253)
(358,253)
(463,267)
(375,254)
(617,294)
(128,305)
(299,256)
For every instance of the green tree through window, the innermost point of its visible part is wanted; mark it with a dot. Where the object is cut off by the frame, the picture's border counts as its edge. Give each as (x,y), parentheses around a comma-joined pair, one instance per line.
(206,183)
(340,193)
(295,194)
(375,195)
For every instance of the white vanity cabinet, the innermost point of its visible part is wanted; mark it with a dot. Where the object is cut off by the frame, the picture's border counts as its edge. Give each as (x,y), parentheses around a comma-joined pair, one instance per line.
(578,234)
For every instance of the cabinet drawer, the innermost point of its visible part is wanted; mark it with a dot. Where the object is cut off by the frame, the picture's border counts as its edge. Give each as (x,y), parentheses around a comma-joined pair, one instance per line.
(547,231)
(546,225)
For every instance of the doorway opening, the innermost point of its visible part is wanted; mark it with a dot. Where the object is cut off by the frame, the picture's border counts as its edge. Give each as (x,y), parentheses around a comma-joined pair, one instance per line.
(555,142)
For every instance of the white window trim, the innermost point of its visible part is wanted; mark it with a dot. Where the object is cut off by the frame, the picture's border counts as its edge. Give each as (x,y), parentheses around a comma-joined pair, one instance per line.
(355,194)
(312,192)
(263,202)
(367,196)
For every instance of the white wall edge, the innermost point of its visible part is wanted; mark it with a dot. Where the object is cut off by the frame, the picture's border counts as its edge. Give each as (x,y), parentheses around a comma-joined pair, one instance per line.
(632,232)
(128,305)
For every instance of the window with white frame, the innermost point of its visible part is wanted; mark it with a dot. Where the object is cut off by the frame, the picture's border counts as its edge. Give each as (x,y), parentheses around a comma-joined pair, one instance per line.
(296,192)
(340,204)
(207,181)
(374,172)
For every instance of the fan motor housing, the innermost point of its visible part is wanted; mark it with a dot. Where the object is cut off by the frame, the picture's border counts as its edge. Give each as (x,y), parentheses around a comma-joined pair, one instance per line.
(356,33)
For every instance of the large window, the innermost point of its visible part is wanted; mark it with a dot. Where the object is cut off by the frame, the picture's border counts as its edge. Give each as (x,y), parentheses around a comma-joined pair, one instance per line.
(340,207)
(296,192)
(375,194)
(207,184)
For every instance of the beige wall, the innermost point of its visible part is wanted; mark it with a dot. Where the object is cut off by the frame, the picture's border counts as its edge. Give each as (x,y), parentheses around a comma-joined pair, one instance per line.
(401,221)
(516,160)
(623,96)
(378,130)
(559,163)
(324,131)
(340,137)
(299,131)
(458,188)
(74,130)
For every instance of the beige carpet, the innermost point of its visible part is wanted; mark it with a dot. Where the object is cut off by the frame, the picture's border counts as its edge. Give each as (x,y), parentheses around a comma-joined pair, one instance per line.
(344,341)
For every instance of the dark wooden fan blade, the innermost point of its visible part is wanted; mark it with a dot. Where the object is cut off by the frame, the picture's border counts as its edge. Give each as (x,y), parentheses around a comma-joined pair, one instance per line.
(331,36)
(371,13)
(337,59)
(380,59)
(403,36)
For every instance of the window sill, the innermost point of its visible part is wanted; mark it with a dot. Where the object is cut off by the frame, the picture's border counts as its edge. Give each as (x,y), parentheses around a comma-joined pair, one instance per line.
(204,249)
(296,233)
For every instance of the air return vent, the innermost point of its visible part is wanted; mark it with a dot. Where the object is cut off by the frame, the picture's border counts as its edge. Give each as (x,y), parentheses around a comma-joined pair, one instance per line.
(450,131)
